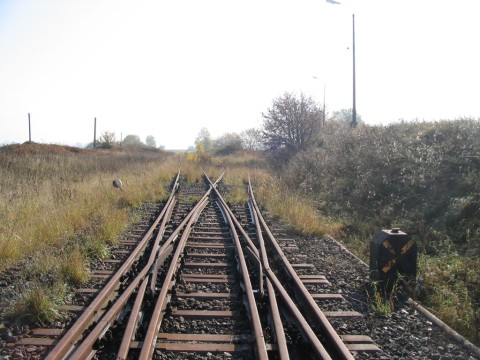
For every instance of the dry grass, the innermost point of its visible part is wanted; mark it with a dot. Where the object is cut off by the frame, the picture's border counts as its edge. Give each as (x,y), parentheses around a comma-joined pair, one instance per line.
(236,181)
(50,198)
(59,203)
(38,304)
(74,267)
(447,294)
(284,203)
(242,161)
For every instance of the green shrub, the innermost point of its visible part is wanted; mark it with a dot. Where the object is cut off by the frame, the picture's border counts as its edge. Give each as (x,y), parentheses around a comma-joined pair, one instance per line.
(423,177)
(38,304)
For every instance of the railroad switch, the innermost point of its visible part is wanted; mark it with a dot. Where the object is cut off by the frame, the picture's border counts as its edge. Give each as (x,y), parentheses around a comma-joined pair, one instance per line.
(393,254)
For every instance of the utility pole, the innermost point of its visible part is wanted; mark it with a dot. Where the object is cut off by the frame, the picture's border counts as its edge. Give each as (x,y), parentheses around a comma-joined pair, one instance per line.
(324,89)
(354,107)
(94,133)
(29,129)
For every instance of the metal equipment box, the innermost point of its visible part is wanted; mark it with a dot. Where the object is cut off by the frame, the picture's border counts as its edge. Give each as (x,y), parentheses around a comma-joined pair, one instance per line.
(392,254)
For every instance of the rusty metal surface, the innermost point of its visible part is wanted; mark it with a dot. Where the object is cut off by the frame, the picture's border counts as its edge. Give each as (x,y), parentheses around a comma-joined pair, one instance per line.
(154,325)
(132,322)
(74,333)
(290,304)
(342,351)
(259,337)
(189,247)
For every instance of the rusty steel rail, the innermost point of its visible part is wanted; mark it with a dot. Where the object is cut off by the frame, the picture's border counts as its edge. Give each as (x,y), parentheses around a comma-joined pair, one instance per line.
(98,321)
(66,343)
(306,330)
(296,314)
(274,310)
(132,322)
(254,317)
(155,320)
(341,351)
(253,311)
(86,347)
(250,245)
(149,342)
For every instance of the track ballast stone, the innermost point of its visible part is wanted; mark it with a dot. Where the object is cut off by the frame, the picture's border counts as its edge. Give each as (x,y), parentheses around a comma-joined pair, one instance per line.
(403,334)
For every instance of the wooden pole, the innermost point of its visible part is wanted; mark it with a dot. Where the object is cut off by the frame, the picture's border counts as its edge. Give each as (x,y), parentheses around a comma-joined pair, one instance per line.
(324,114)
(29,129)
(354,108)
(95,133)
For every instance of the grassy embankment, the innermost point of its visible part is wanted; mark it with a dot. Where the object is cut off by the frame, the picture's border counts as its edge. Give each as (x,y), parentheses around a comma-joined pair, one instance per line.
(422,177)
(60,211)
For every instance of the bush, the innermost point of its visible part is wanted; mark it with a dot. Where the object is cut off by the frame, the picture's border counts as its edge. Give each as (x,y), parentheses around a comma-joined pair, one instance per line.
(423,177)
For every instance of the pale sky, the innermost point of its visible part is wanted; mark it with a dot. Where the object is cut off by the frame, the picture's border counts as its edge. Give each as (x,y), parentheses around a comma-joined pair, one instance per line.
(170,68)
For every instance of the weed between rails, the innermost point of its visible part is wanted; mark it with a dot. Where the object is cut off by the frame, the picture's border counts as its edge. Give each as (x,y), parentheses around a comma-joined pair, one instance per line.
(382,302)
(38,304)
(74,268)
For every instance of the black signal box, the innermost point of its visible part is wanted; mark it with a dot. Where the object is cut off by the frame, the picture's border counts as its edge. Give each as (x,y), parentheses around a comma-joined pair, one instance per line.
(392,254)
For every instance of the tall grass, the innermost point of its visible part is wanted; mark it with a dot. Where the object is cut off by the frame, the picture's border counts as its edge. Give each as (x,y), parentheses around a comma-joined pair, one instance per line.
(235,180)
(453,285)
(59,203)
(38,304)
(50,198)
(283,202)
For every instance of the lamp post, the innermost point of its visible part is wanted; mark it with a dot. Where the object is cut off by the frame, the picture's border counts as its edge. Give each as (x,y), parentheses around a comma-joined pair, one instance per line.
(354,106)
(353,123)
(324,114)
(324,91)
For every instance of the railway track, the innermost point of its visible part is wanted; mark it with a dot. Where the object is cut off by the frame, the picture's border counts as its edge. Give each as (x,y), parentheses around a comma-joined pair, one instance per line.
(206,280)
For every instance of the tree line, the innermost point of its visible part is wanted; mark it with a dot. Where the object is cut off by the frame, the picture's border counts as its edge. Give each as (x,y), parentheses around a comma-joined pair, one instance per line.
(292,124)
(107,140)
